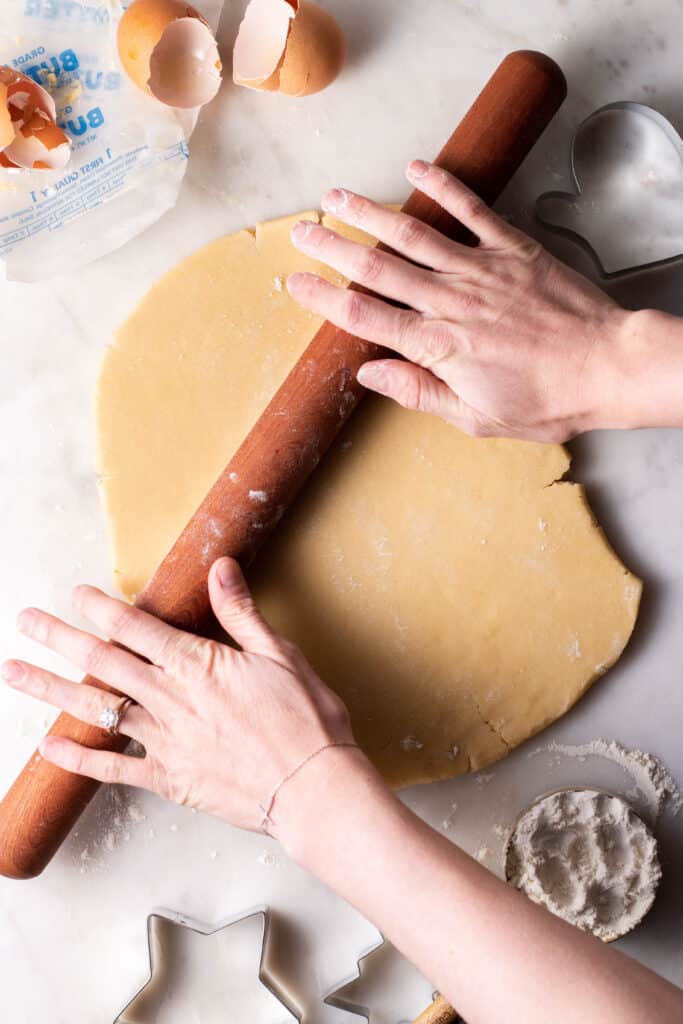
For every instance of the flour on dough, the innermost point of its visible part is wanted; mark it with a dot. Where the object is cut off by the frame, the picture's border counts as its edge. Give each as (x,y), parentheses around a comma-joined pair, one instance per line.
(454,591)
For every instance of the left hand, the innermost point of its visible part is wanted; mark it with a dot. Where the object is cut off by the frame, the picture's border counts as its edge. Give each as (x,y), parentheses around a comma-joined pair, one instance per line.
(221,727)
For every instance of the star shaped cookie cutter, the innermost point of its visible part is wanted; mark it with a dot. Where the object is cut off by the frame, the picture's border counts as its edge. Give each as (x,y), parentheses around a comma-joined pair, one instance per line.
(179,966)
(626,210)
(342,997)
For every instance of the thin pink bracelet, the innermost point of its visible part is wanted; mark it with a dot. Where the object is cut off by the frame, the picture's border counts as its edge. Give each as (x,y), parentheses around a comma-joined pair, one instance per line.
(290,775)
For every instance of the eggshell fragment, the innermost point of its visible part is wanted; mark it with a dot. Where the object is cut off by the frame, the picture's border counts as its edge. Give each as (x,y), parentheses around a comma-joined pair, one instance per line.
(29,136)
(6,124)
(289,46)
(261,43)
(168,51)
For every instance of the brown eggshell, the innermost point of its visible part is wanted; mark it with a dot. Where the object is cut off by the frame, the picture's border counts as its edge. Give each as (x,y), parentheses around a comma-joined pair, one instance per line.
(312,54)
(141,32)
(31,140)
(6,125)
(260,45)
(315,52)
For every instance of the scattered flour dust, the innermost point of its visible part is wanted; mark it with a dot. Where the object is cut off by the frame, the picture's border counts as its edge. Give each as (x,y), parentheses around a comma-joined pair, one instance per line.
(450,817)
(483,778)
(587,857)
(113,819)
(652,781)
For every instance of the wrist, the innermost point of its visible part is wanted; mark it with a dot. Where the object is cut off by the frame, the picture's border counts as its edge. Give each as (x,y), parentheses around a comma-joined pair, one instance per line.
(643,368)
(317,804)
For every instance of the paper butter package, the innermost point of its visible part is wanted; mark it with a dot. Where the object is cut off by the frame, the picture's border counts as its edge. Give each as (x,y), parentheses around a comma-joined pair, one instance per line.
(129,151)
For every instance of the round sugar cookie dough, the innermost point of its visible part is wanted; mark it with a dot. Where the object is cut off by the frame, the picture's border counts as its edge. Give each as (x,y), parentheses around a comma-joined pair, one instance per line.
(454,599)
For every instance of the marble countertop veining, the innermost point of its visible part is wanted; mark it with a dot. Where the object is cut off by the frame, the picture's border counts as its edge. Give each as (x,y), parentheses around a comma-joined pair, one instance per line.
(73,943)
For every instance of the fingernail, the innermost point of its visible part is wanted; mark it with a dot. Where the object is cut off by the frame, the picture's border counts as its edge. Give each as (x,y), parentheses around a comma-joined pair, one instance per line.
(25,622)
(294,280)
(418,169)
(371,376)
(44,746)
(301,278)
(12,671)
(224,573)
(302,230)
(335,200)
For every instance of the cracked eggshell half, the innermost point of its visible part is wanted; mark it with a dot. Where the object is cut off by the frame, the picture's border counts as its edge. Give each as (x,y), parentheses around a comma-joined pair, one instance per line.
(29,136)
(288,46)
(169,51)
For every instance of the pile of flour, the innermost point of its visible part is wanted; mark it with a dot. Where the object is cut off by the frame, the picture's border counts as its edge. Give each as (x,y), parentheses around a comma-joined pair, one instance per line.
(587,857)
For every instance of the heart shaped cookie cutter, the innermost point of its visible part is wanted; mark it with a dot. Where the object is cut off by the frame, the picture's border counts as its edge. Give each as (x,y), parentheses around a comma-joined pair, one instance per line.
(626,164)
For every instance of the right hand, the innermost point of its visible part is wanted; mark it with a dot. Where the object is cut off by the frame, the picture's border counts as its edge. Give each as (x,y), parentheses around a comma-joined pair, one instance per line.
(500,339)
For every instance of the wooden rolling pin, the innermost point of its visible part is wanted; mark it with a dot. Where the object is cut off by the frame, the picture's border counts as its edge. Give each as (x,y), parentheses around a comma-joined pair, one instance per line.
(282,450)
(438,1012)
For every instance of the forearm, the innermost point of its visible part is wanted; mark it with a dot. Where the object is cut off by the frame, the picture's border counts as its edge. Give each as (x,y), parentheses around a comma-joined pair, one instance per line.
(645,385)
(493,954)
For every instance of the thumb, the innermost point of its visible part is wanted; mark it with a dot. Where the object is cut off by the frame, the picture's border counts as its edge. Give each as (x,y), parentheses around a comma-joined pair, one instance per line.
(234,608)
(411,386)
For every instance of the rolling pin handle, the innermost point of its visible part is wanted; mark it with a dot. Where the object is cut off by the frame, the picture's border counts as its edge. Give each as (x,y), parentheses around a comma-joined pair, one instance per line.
(439,1012)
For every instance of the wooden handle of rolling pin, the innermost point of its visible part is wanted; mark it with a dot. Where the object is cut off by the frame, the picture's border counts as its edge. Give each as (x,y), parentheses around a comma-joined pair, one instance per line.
(438,1012)
(282,450)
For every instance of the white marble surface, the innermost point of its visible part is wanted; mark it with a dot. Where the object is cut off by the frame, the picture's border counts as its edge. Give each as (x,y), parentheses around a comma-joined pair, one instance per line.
(72,944)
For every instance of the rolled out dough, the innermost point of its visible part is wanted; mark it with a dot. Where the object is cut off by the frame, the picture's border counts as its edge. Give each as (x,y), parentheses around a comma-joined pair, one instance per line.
(457,593)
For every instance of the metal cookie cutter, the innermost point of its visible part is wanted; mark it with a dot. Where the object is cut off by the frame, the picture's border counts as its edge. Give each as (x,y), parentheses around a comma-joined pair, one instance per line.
(626,163)
(382,965)
(187,983)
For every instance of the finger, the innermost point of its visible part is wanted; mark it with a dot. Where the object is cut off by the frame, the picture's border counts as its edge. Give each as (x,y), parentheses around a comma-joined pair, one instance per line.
(361,315)
(96,657)
(82,701)
(137,630)
(411,386)
(463,204)
(414,387)
(101,765)
(234,608)
(382,272)
(402,233)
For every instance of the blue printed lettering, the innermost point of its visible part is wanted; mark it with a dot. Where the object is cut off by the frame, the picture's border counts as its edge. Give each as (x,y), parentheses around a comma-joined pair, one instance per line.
(93,165)
(95,118)
(37,52)
(52,9)
(69,60)
(93,80)
(78,127)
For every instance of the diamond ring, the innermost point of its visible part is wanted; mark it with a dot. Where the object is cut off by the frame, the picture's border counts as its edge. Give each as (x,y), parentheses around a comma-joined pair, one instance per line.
(111,718)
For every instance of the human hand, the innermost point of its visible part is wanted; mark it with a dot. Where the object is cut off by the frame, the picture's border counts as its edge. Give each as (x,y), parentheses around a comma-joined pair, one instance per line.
(501,339)
(221,728)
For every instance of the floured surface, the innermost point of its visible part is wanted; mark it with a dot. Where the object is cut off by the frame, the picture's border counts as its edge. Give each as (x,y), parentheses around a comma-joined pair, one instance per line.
(456,600)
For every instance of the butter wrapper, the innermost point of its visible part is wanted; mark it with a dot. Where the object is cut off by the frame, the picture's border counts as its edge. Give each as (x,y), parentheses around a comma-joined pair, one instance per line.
(129,152)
